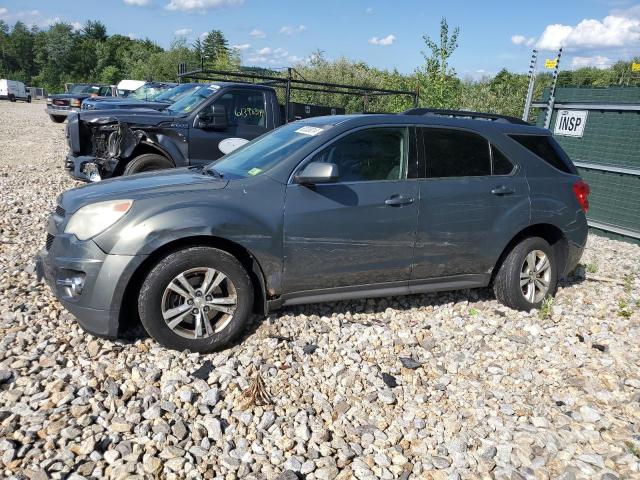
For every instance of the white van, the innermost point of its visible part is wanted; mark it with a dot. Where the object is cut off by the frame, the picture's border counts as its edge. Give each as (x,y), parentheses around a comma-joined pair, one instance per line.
(13,90)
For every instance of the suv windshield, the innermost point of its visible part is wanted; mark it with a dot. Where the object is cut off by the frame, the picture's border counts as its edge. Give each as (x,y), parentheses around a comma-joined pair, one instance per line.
(176,93)
(148,92)
(267,151)
(195,98)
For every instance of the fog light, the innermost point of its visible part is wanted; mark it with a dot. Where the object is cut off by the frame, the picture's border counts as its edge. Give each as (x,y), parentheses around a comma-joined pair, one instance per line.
(73,284)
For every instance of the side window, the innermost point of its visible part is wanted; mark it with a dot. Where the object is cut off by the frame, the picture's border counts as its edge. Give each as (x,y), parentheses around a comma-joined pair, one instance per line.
(369,155)
(454,153)
(500,165)
(244,107)
(544,147)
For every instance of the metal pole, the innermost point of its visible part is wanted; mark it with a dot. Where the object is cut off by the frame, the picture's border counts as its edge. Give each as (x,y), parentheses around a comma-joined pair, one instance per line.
(287,100)
(532,81)
(552,91)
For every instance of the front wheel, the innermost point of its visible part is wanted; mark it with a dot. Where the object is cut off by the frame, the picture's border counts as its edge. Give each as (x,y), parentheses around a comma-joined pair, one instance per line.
(196,299)
(527,276)
(147,163)
(57,118)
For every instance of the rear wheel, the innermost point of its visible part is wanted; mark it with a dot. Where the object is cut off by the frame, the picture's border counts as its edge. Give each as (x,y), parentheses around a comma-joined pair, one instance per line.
(527,276)
(29,99)
(147,163)
(57,118)
(196,299)
(12,98)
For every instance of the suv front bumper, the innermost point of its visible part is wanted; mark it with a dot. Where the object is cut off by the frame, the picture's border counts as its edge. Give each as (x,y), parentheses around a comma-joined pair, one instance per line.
(88,168)
(89,283)
(61,111)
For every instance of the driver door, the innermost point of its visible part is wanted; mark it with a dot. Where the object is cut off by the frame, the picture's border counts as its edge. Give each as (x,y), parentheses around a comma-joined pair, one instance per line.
(246,120)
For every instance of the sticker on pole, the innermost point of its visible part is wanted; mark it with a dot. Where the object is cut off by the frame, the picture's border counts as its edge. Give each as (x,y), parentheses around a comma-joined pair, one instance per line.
(550,64)
(310,130)
(635,67)
(570,123)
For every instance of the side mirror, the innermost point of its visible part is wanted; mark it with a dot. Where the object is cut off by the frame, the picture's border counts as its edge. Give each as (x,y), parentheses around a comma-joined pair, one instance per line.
(318,172)
(213,118)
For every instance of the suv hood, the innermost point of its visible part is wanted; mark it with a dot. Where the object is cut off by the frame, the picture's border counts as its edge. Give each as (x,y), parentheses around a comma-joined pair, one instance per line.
(143,185)
(105,103)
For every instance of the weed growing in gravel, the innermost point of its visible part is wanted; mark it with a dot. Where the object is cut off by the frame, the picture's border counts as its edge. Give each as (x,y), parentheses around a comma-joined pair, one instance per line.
(473,312)
(628,282)
(545,308)
(632,448)
(592,268)
(623,309)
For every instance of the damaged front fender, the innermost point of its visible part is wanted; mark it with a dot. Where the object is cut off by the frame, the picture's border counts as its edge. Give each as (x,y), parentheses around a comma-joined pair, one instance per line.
(123,141)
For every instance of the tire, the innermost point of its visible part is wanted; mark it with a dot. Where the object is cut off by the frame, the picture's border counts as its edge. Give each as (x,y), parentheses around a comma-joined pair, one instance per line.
(12,98)
(156,297)
(57,118)
(515,269)
(147,163)
(29,99)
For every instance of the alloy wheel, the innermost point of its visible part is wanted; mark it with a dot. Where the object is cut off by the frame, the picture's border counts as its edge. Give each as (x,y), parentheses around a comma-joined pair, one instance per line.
(199,302)
(535,276)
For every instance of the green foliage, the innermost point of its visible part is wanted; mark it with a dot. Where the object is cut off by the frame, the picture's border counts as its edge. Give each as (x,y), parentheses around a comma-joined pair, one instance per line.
(545,309)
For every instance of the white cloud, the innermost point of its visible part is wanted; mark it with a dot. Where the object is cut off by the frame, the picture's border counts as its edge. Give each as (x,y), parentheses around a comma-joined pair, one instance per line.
(3,11)
(598,61)
(201,6)
(291,31)
(241,47)
(264,51)
(274,57)
(132,36)
(257,33)
(76,26)
(613,31)
(388,40)
(182,32)
(369,11)
(522,40)
(137,3)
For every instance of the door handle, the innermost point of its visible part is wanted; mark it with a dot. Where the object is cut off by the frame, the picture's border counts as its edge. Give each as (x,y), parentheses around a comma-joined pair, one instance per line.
(502,190)
(398,200)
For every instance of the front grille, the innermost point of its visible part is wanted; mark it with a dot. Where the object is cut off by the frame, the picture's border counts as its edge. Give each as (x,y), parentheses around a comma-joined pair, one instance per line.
(59,211)
(49,241)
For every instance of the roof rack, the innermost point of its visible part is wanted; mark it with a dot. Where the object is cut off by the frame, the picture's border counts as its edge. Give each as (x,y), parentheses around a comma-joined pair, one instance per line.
(289,84)
(494,117)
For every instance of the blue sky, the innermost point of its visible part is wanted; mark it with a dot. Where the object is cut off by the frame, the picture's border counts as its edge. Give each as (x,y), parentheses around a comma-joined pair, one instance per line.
(494,33)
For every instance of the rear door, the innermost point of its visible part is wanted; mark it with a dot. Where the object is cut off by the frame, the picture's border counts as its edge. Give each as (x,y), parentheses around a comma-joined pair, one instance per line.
(361,229)
(246,118)
(472,198)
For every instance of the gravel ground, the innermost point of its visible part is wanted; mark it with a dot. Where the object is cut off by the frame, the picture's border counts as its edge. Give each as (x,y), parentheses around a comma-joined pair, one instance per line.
(444,386)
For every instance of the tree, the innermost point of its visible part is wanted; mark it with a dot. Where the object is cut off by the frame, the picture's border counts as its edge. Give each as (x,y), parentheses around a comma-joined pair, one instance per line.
(95,30)
(439,87)
(215,49)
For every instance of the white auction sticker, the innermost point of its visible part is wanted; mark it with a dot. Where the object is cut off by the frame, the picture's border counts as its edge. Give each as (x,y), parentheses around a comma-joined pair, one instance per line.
(310,130)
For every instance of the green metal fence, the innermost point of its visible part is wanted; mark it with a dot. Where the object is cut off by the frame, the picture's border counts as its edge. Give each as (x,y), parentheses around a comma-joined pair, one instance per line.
(607,153)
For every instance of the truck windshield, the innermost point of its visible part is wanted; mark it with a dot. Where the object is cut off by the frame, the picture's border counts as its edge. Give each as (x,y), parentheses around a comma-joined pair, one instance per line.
(176,93)
(80,88)
(191,101)
(148,92)
(255,158)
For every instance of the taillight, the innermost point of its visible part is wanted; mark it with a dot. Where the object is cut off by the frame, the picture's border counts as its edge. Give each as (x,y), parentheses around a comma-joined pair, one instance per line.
(581,190)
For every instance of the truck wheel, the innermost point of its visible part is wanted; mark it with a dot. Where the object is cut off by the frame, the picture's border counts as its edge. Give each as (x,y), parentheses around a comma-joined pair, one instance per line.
(57,118)
(29,99)
(146,163)
(12,98)
(196,299)
(527,276)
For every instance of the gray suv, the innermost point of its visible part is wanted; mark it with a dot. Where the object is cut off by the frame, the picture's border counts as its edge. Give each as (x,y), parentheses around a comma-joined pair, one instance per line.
(323,209)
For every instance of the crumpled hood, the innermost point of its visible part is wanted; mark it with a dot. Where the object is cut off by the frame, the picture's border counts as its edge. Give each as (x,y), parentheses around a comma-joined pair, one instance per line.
(142,185)
(142,116)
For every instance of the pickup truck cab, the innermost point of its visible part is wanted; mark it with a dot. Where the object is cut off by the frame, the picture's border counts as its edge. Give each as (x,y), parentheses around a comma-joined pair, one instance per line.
(61,105)
(154,95)
(213,120)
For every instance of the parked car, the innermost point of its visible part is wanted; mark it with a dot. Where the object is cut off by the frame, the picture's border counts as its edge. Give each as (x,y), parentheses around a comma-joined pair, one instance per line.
(163,99)
(324,209)
(61,105)
(13,90)
(125,87)
(198,128)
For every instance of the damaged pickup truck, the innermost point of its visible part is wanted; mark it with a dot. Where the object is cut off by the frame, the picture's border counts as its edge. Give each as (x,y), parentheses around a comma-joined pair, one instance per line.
(212,120)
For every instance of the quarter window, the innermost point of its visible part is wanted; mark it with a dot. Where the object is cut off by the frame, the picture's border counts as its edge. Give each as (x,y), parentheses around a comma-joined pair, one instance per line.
(369,155)
(454,153)
(544,147)
(500,165)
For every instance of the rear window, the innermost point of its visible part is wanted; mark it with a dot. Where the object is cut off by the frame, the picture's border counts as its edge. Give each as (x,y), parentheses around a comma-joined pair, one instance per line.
(546,148)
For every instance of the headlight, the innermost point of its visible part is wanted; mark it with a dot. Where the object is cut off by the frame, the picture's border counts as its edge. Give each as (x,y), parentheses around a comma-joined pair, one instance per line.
(48,101)
(75,102)
(95,218)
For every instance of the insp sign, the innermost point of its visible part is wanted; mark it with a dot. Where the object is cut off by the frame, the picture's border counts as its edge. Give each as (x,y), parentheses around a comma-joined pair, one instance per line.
(570,123)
